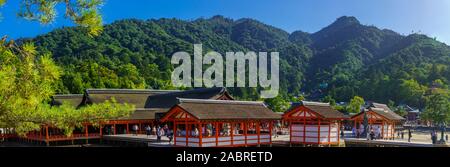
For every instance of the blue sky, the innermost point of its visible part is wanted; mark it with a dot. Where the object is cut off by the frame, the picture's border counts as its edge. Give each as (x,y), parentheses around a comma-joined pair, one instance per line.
(430,17)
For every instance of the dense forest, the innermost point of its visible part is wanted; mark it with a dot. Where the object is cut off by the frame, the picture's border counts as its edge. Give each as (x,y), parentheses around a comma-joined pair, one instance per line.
(343,60)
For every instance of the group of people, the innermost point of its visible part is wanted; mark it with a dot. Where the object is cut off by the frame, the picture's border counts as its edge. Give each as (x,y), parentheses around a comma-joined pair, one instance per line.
(373,133)
(434,137)
(160,131)
(157,130)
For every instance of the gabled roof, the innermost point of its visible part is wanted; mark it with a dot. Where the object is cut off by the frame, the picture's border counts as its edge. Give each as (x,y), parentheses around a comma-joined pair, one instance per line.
(224,110)
(382,110)
(170,99)
(325,110)
(388,114)
(73,99)
(137,97)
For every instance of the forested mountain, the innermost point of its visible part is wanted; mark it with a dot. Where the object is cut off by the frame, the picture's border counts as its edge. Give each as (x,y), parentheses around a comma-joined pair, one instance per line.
(342,60)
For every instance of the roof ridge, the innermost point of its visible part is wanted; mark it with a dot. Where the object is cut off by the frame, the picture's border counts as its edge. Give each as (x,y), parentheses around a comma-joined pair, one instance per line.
(187,100)
(192,90)
(118,91)
(379,109)
(315,103)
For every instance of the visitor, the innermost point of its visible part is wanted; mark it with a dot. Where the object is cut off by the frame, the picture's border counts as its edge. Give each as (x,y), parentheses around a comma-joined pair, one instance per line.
(170,135)
(372,134)
(342,132)
(196,132)
(409,135)
(398,134)
(434,137)
(354,132)
(148,130)
(446,138)
(154,130)
(159,134)
(135,129)
(402,133)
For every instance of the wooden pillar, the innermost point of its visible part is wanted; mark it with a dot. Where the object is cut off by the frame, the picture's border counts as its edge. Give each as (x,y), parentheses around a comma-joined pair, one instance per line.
(140,127)
(115,129)
(217,133)
(128,129)
(245,132)
(47,136)
(232,133)
(382,130)
(339,132)
(175,133)
(270,132)
(40,133)
(329,132)
(290,131)
(87,134)
(187,134)
(258,132)
(186,129)
(200,135)
(318,139)
(304,127)
(393,131)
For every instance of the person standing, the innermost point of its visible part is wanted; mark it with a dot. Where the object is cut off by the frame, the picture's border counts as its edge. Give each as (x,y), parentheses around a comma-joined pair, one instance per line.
(148,130)
(372,134)
(135,129)
(403,133)
(154,130)
(170,135)
(409,135)
(158,134)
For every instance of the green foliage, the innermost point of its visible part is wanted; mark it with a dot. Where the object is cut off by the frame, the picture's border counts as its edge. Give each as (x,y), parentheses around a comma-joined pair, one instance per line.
(277,104)
(82,12)
(329,99)
(27,82)
(400,111)
(437,108)
(355,104)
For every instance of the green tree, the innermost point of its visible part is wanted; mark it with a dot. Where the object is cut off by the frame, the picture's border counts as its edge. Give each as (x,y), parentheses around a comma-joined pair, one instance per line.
(277,104)
(27,82)
(411,92)
(82,12)
(355,104)
(329,99)
(437,108)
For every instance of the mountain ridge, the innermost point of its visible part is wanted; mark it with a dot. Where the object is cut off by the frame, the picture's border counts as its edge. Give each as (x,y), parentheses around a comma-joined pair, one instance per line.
(340,56)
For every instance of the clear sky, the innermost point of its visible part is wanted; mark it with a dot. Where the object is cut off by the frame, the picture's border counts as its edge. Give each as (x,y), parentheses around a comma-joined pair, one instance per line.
(430,17)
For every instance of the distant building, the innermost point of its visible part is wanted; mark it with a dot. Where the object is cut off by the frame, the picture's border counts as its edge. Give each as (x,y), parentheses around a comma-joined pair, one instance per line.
(412,116)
